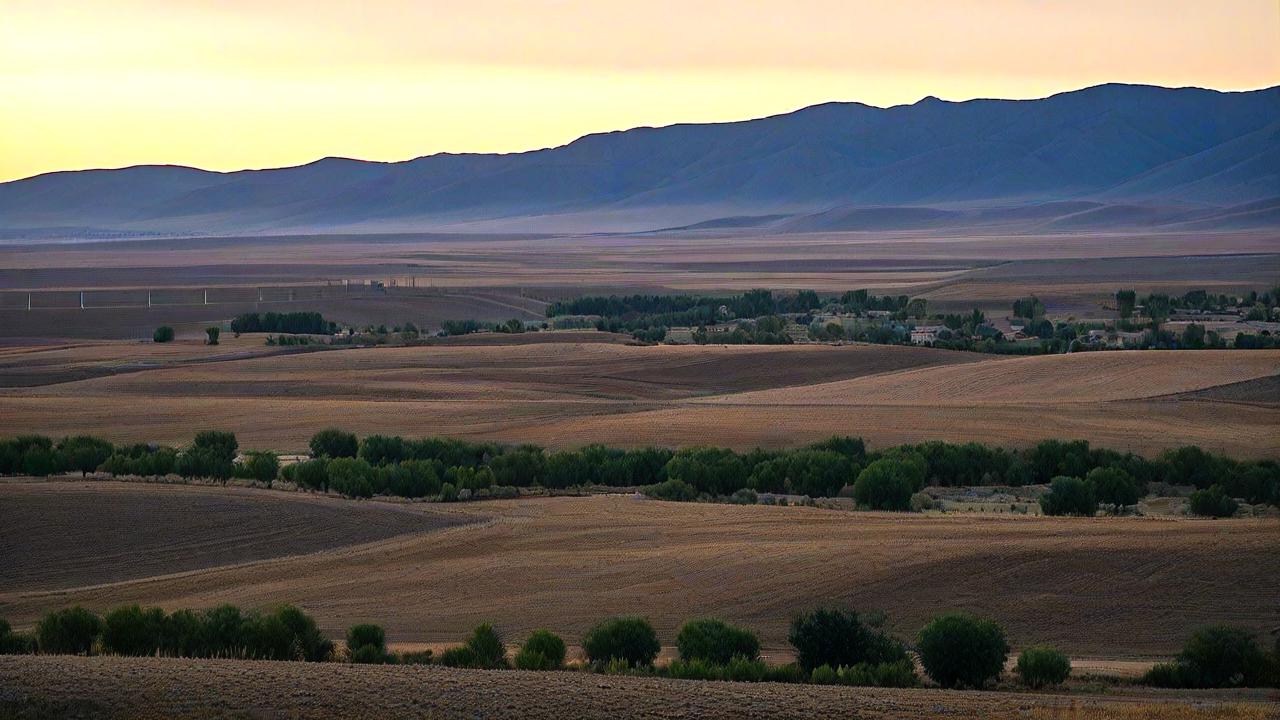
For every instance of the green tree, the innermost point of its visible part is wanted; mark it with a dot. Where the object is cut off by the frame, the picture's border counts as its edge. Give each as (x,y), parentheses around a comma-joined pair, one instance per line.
(487,647)
(367,644)
(629,640)
(888,483)
(960,650)
(835,637)
(163,334)
(131,630)
(85,453)
(1113,486)
(1126,300)
(1212,503)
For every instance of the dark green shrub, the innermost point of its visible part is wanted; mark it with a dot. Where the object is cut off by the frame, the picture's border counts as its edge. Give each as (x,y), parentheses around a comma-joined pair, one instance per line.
(959,650)
(740,669)
(487,647)
(131,630)
(12,643)
(183,635)
(310,474)
(203,463)
(334,443)
(676,490)
(260,466)
(459,657)
(789,673)
(631,640)
(1212,503)
(824,675)
(304,641)
(367,644)
(888,483)
(1169,675)
(40,462)
(544,650)
(830,636)
(898,674)
(70,631)
(162,334)
(84,453)
(382,449)
(222,632)
(1114,487)
(350,477)
(221,444)
(697,669)
(1224,656)
(1069,496)
(716,642)
(1042,665)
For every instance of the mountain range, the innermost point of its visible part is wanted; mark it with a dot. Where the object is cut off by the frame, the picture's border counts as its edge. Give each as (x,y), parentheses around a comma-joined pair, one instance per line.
(1102,157)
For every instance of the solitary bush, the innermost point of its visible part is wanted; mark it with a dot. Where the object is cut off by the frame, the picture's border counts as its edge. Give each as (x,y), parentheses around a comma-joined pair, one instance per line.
(630,640)
(1069,496)
(1042,665)
(70,631)
(486,645)
(163,334)
(544,650)
(716,641)
(131,630)
(1212,503)
(830,636)
(959,650)
(367,644)
(212,332)
(334,443)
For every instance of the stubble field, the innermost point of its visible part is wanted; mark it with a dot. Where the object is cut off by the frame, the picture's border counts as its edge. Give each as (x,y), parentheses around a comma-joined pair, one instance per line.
(1107,588)
(567,389)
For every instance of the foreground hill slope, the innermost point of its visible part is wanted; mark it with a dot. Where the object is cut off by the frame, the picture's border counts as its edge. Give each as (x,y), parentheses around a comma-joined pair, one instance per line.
(1155,145)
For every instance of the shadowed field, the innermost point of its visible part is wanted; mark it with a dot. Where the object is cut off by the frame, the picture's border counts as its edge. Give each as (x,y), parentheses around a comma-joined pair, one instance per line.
(148,688)
(1099,588)
(63,535)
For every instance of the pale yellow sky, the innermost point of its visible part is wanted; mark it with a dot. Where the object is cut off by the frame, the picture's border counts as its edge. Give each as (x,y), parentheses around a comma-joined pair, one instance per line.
(233,84)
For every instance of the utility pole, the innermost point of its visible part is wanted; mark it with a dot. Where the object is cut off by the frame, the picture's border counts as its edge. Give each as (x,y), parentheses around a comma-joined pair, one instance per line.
(148,298)
(81,299)
(206,297)
(28,302)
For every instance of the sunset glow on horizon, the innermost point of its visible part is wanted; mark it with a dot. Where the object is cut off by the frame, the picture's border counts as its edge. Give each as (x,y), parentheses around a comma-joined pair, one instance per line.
(237,84)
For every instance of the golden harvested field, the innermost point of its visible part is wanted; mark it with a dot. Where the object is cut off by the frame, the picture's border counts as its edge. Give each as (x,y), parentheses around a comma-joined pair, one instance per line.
(566,389)
(1106,588)
(148,688)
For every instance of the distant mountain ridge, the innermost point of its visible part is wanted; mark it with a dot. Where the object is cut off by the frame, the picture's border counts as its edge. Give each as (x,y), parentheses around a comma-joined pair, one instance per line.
(1101,156)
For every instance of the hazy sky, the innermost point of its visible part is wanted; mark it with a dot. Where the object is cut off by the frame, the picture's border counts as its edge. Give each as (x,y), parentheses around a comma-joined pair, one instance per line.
(229,84)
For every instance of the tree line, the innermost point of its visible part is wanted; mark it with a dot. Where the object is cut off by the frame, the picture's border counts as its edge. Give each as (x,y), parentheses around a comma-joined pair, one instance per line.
(1082,478)
(832,645)
(295,323)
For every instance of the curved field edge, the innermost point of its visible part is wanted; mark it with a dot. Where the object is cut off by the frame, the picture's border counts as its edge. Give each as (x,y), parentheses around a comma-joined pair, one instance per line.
(146,688)
(69,534)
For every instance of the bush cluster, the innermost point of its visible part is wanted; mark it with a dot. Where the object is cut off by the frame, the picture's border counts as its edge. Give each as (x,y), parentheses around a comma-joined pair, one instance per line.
(1219,656)
(283,633)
